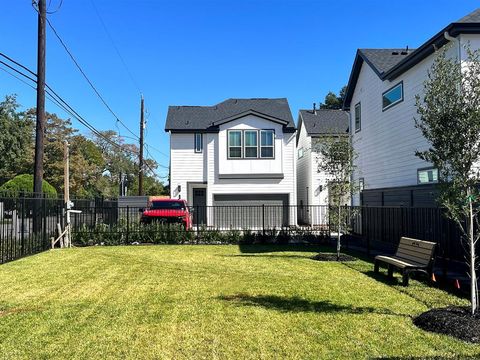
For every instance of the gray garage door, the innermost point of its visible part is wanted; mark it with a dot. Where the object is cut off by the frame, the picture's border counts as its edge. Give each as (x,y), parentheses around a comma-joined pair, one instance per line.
(250,211)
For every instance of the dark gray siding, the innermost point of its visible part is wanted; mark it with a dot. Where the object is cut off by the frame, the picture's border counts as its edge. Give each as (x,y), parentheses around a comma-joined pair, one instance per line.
(412,196)
(251,210)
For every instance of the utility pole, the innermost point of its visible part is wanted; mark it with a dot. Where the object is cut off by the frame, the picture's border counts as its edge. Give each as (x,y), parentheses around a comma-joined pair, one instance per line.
(66,192)
(40,128)
(140,160)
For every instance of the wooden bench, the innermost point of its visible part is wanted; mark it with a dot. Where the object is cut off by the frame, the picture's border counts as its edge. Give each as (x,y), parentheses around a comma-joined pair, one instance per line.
(412,256)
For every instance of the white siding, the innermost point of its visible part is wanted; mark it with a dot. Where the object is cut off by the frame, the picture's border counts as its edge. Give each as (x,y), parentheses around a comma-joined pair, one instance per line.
(388,139)
(186,165)
(190,167)
(320,180)
(304,166)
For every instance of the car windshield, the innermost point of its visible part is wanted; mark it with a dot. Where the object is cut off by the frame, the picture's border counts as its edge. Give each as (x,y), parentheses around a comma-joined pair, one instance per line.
(171,205)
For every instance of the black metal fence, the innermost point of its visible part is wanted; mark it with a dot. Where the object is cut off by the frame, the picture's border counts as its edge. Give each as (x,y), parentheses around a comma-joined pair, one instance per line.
(27,225)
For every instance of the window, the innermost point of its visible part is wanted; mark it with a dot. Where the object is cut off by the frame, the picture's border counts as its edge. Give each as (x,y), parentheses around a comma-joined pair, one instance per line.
(361,184)
(358,117)
(300,153)
(392,96)
(266,144)
(198,143)
(235,144)
(427,176)
(251,143)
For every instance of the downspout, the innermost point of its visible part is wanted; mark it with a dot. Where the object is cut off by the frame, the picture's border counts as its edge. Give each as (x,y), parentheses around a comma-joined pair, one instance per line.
(453,39)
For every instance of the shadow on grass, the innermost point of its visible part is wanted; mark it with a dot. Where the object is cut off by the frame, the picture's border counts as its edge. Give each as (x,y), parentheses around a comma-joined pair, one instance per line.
(297,304)
(272,256)
(267,248)
(456,357)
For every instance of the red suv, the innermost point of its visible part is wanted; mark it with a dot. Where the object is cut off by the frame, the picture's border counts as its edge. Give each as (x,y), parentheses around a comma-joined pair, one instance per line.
(168,211)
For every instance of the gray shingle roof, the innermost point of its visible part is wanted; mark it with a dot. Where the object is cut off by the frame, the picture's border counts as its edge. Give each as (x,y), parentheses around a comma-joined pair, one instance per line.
(473,17)
(325,121)
(389,67)
(185,118)
(383,60)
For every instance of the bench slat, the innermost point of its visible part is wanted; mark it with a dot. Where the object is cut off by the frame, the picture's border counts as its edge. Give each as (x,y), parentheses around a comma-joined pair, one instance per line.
(415,254)
(427,252)
(415,259)
(417,243)
(398,262)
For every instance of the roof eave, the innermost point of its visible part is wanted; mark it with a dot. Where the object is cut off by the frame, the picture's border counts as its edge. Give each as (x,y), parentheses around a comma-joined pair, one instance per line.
(428,48)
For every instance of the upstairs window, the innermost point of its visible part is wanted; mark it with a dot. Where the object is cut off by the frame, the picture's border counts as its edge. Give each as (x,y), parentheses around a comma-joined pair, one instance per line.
(235,144)
(392,96)
(198,143)
(427,176)
(300,153)
(267,144)
(251,143)
(358,117)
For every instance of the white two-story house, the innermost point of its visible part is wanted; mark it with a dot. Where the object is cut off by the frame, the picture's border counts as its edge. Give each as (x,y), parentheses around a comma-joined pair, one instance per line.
(229,159)
(312,184)
(381,100)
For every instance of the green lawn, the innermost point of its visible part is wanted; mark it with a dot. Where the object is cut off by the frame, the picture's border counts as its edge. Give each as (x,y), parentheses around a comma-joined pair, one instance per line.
(210,302)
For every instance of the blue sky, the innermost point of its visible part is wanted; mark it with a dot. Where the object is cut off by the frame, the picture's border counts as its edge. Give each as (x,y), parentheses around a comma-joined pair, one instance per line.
(203,52)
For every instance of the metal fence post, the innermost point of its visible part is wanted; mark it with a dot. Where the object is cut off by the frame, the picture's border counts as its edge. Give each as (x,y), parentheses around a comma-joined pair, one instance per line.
(23,226)
(195,217)
(263,219)
(128,223)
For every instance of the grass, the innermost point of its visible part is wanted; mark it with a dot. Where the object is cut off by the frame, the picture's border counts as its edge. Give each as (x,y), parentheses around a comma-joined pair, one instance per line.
(211,302)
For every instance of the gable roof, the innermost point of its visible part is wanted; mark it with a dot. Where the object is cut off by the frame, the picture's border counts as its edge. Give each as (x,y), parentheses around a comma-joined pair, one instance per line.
(389,64)
(324,122)
(208,118)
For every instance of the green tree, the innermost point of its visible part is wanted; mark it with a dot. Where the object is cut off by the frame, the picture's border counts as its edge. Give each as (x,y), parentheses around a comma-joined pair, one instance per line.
(334,101)
(449,118)
(336,157)
(24,184)
(16,140)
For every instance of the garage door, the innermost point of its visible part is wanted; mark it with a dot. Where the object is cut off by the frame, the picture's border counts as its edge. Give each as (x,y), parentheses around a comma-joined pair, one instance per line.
(250,211)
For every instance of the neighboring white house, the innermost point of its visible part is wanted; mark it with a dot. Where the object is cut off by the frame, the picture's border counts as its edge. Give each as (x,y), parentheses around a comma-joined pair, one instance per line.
(312,185)
(381,99)
(236,156)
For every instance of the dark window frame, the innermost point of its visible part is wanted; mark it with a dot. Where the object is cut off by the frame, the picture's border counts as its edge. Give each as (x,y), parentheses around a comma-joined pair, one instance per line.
(389,106)
(197,149)
(229,146)
(267,146)
(243,146)
(359,106)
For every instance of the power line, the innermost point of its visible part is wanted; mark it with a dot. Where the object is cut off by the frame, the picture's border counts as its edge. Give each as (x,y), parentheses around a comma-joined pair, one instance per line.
(87,79)
(115,46)
(59,101)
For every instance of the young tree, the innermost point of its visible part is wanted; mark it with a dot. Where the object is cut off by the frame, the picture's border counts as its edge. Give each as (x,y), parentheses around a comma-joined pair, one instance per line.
(336,157)
(449,118)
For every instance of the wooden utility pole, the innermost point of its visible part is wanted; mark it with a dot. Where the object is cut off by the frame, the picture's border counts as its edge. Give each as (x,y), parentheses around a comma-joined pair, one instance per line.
(66,192)
(140,160)
(66,174)
(40,128)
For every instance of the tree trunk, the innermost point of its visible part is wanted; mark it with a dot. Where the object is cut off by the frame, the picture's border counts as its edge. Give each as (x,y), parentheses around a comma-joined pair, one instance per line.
(471,240)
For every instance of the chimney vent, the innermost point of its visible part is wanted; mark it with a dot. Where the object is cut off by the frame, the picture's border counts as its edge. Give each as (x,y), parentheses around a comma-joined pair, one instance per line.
(314,108)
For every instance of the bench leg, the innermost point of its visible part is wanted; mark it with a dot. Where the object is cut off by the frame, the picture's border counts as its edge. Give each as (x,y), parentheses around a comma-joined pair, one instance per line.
(405,276)
(390,271)
(376,267)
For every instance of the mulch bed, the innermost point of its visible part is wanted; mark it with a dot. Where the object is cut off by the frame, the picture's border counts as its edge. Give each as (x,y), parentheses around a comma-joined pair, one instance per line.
(454,321)
(332,257)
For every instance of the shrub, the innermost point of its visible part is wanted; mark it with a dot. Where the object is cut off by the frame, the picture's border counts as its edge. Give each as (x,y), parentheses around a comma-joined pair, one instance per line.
(24,184)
